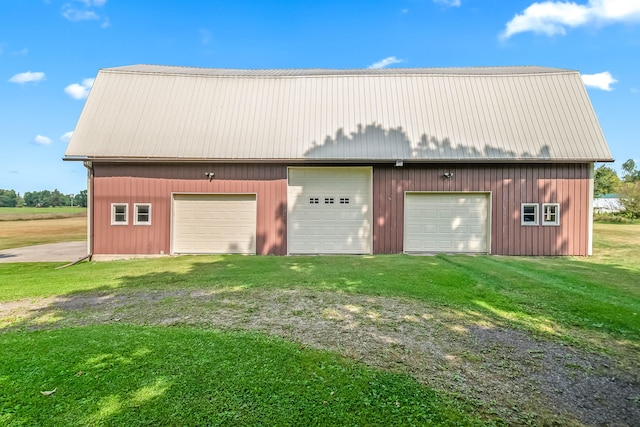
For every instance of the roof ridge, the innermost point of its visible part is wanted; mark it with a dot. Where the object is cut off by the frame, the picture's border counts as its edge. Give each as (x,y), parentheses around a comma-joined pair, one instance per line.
(318,72)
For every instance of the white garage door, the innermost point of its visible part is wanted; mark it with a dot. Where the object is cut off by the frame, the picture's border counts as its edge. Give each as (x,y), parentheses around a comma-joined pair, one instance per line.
(214,223)
(446,222)
(329,210)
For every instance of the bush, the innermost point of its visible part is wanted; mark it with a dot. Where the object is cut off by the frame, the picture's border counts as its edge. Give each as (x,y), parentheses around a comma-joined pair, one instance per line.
(618,217)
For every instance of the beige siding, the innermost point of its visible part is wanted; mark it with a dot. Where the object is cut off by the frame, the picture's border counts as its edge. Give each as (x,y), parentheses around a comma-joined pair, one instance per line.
(477,114)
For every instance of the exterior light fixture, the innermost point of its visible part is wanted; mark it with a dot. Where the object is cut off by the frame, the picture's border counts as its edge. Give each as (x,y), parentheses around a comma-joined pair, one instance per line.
(448,175)
(209,175)
(399,163)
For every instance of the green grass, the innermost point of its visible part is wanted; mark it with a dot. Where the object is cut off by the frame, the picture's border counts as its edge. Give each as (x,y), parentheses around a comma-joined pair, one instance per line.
(131,376)
(544,295)
(27,210)
(134,375)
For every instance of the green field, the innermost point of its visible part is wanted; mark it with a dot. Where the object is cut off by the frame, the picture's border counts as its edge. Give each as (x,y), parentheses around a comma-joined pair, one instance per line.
(31,213)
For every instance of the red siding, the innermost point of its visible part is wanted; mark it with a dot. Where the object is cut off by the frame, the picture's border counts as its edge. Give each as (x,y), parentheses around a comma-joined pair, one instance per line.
(122,183)
(509,185)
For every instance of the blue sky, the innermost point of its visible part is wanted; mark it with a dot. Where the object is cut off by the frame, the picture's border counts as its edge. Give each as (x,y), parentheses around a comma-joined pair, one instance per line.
(51,50)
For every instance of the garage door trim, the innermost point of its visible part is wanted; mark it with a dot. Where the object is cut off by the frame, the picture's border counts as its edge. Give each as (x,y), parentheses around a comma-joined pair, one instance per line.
(369,203)
(173,213)
(488,225)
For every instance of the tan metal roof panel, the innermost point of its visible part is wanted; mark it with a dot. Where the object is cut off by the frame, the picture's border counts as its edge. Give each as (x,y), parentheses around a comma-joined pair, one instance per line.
(457,114)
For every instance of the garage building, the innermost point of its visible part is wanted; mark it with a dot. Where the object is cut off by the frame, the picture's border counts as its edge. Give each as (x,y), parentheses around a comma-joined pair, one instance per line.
(492,160)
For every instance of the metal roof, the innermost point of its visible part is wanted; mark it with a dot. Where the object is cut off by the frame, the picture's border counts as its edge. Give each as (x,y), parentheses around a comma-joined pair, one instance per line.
(149,112)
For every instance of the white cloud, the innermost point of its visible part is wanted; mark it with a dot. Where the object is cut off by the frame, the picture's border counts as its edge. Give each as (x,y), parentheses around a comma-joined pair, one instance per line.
(554,17)
(22,52)
(448,3)
(26,77)
(602,80)
(386,62)
(89,3)
(75,15)
(42,140)
(85,14)
(66,137)
(205,36)
(79,90)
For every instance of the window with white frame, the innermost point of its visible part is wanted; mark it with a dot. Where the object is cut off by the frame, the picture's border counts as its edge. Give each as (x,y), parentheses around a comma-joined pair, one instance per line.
(142,212)
(550,214)
(529,214)
(119,214)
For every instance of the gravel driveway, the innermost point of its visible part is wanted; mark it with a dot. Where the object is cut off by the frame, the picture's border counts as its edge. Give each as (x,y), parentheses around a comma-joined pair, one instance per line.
(53,252)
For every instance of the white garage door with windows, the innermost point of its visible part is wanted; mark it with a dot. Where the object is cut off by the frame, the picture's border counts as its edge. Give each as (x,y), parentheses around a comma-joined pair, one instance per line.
(446,222)
(329,210)
(214,224)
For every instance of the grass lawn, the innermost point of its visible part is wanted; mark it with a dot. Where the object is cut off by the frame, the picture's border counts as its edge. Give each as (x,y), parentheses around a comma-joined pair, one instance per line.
(120,374)
(30,213)
(18,233)
(129,376)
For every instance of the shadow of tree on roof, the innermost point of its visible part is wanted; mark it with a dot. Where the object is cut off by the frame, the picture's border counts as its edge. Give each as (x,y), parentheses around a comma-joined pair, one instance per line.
(374,142)
(370,141)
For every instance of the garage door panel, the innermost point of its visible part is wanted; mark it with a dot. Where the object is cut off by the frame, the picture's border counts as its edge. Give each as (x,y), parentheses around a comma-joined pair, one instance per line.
(450,222)
(340,221)
(214,223)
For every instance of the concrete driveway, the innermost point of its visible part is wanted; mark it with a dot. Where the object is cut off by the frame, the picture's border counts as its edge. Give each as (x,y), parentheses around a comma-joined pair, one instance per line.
(53,252)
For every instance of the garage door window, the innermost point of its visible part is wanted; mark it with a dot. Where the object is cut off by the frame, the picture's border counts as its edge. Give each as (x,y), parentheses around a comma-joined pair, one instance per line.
(119,214)
(529,214)
(142,214)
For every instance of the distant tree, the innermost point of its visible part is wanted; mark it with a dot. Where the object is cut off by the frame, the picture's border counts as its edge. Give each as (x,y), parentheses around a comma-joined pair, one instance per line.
(631,173)
(81,199)
(605,181)
(8,199)
(38,198)
(630,198)
(29,198)
(56,198)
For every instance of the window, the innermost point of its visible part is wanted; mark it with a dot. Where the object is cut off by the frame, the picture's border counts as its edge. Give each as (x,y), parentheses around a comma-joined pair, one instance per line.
(328,200)
(529,214)
(344,200)
(142,214)
(550,214)
(119,214)
(313,200)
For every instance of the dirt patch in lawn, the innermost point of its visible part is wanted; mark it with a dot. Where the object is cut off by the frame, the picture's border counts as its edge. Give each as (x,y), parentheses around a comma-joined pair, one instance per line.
(504,372)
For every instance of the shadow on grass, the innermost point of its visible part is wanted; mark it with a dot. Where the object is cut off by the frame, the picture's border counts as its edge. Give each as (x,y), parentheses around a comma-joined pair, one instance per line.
(464,295)
(541,295)
(125,375)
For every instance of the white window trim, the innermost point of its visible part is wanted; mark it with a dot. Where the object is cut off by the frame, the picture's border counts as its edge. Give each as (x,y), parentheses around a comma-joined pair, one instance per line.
(113,214)
(537,214)
(557,220)
(135,214)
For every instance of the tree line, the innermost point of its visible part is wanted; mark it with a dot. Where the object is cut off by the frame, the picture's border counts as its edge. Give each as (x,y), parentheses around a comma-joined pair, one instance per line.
(606,181)
(45,198)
